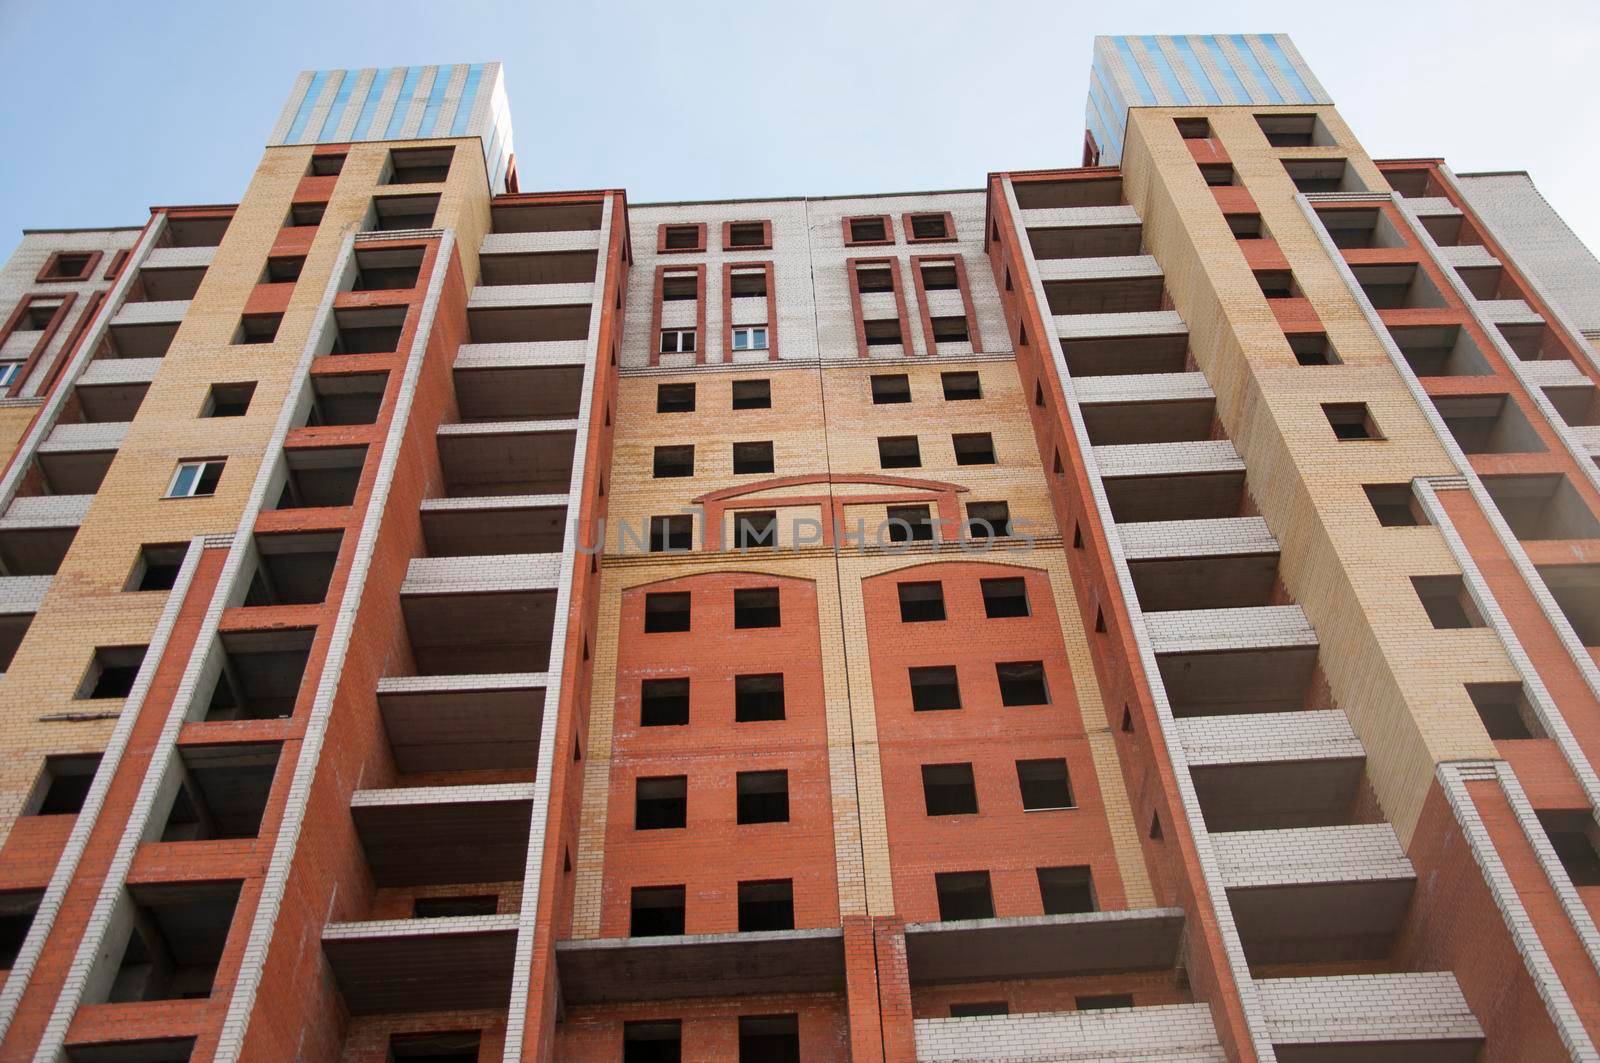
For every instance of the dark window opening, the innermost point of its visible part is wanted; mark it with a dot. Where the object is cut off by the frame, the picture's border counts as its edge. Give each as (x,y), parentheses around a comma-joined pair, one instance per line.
(940,277)
(419,166)
(910,524)
(653,1041)
(229,400)
(681,238)
(666,612)
(368,330)
(749,458)
(949,790)
(950,330)
(157,567)
(769,1039)
(675,398)
(974,449)
(1395,505)
(1193,128)
(960,387)
(766,905)
(1103,1001)
(1217,174)
(873,279)
(673,533)
(1066,890)
(964,895)
(891,388)
(111,672)
(899,452)
(448,1046)
(1351,420)
(661,803)
(747,234)
(988,519)
(664,703)
(868,230)
(979,1008)
(176,941)
(762,796)
(757,698)
(747,283)
(1277,283)
(884,332)
(326,165)
(63,785)
(257,328)
(1313,348)
(752,394)
(283,269)
(1245,226)
(452,907)
(929,227)
(1446,601)
(387,269)
(1505,711)
(1576,839)
(656,911)
(755,529)
(920,602)
(403,213)
(302,215)
(673,461)
(679,287)
(1004,597)
(16,919)
(935,688)
(756,607)
(1045,784)
(1022,683)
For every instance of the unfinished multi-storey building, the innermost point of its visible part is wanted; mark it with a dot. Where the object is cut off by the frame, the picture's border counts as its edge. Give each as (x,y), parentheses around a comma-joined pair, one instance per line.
(1143,611)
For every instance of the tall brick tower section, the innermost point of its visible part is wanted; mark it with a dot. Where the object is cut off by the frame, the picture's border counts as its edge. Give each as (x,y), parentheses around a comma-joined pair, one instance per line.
(1142,611)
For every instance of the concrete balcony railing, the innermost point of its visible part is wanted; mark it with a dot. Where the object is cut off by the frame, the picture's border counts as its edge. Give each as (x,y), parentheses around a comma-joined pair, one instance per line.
(1421,1017)
(1273,770)
(1509,312)
(1316,894)
(1171,539)
(164,312)
(1226,661)
(491,297)
(1147,408)
(442,835)
(491,615)
(1043,946)
(463,723)
(1078,217)
(507,457)
(107,372)
(1189,480)
(540,242)
(21,595)
(535,355)
(1169,1033)
(626,970)
(46,511)
(1429,206)
(412,965)
(74,438)
(1052,270)
(482,574)
(1469,256)
(179,257)
(508,524)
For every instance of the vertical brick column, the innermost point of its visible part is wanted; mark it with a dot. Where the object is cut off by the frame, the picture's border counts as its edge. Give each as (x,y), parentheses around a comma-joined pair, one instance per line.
(894,990)
(861,990)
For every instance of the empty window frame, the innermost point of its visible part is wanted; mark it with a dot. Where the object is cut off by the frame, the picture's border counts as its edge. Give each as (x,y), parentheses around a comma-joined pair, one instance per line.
(882,332)
(870,229)
(651,1041)
(921,602)
(940,277)
(69,266)
(890,388)
(873,279)
(1044,784)
(757,698)
(949,790)
(1447,602)
(961,387)
(964,895)
(757,607)
(1066,890)
(929,228)
(988,519)
(228,400)
(934,688)
(1395,505)
(1351,421)
(1575,837)
(403,213)
(257,328)
(196,479)
(660,803)
(63,785)
(655,911)
(666,612)
(679,287)
(755,529)
(950,330)
(681,238)
(111,672)
(419,166)
(762,796)
(674,398)
(1004,597)
(752,395)
(677,341)
(750,458)
(283,269)
(910,524)
(766,905)
(899,452)
(326,165)
(747,235)
(156,568)
(664,702)
(979,1008)
(672,462)
(747,283)
(1312,348)
(1505,711)
(672,533)
(975,448)
(769,1039)
(387,269)
(1022,683)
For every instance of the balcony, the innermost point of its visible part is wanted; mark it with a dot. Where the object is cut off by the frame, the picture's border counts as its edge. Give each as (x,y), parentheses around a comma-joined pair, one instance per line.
(1270,771)
(441,835)
(1223,563)
(499,458)
(1172,481)
(1111,344)
(519,381)
(1169,1033)
(1083,232)
(1379,1018)
(74,458)
(112,390)
(417,965)
(510,524)
(1224,661)
(463,723)
(625,970)
(1146,408)
(480,615)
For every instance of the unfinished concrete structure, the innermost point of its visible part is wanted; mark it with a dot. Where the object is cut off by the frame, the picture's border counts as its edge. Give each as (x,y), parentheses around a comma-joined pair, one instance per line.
(1136,611)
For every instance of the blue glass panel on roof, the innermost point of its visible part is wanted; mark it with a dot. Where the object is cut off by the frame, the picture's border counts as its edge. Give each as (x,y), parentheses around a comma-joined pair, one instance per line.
(380,82)
(397,120)
(1146,94)
(1169,77)
(341,100)
(469,96)
(1228,73)
(1110,119)
(1196,71)
(1256,68)
(430,113)
(1305,95)
(307,104)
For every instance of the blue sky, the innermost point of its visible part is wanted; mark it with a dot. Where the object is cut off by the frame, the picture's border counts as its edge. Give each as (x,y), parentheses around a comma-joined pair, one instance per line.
(119,106)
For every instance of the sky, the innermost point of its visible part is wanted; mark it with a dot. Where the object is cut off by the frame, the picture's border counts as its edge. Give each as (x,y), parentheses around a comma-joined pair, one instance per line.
(118,106)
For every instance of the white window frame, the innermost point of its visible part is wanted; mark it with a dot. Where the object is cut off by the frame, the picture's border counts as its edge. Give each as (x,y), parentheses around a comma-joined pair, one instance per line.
(9,372)
(750,338)
(189,475)
(677,336)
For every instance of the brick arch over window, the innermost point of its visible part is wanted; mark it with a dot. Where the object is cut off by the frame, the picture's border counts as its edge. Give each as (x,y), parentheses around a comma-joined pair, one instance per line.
(896,490)
(987,734)
(711,854)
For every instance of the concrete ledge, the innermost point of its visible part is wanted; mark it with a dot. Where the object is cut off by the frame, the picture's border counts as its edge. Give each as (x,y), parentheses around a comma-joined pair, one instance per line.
(1058,270)
(534,243)
(619,970)
(463,723)
(506,428)
(1220,537)
(1222,630)
(496,296)
(1043,946)
(66,438)
(103,371)
(442,835)
(178,257)
(1359,852)
(1552,372)
(530,355)
(1468,255)
(1509,312)
(1168,459)
(1143,387)
(21,595)
(1378,1017)
(46,511)
(484,573)
(411,965)
(1095,326)
(1429,206)
(1078,217)
(1262,738)
(1170,1033)
(159,312)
